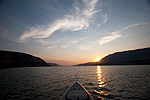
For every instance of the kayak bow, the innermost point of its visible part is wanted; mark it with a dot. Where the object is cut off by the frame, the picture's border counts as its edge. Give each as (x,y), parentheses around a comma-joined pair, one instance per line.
(76,92)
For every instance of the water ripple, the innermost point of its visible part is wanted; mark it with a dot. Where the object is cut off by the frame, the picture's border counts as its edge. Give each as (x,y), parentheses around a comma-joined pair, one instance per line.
(49,83)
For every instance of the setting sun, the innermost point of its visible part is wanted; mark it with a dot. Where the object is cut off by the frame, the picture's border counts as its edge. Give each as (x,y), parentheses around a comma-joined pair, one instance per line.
(98,59)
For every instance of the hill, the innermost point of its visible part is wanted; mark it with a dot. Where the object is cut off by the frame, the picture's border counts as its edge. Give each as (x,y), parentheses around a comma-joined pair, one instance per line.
(10,59)
(53,64)
(131,57)
(88,64)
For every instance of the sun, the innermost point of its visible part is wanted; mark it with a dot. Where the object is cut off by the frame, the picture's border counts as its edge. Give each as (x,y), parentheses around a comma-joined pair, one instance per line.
(97,59)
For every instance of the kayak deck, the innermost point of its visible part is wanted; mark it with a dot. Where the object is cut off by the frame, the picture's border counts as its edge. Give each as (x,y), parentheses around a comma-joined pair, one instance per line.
(76,92)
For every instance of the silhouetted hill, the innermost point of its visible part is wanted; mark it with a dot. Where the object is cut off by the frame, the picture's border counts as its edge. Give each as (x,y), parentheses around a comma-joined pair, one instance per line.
(135,57)
(10,59)
(131,57)
(88,64)
(53,64)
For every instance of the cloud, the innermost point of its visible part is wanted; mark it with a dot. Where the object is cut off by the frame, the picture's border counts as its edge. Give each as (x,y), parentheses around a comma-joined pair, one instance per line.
(63,46)
(63,42)
(69,41)
(114,35)
(79,18)
(43,42)
(105,17)
(85,48)
(133,25)
(49,47)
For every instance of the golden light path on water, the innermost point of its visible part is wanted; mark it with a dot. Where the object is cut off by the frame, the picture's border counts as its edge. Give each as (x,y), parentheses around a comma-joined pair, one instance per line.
(100,79)
(101,83)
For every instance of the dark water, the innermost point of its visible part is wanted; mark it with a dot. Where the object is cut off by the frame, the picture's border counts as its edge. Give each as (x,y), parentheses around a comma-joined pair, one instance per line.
(49,83)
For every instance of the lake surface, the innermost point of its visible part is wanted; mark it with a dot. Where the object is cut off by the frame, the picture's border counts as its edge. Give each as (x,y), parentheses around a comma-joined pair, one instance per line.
(49,83)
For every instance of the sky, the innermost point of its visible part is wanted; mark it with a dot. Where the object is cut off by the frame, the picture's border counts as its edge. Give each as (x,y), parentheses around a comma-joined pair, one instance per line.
(70,32)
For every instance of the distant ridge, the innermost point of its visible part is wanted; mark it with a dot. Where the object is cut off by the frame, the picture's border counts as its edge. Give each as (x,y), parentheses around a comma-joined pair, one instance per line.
(88,64)
(131,57)
(9,59)
(53,64)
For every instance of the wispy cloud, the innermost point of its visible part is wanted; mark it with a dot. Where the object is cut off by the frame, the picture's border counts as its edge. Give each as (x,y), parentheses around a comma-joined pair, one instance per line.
(50,47)
(133,25)
(114,35)
(79,18)
(85,48)
(43,42)
(63,42)
(70,41)
(64,46)
(105,17)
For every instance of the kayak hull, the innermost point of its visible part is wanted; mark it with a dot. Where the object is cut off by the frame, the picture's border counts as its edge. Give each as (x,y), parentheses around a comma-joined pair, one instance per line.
(76,92)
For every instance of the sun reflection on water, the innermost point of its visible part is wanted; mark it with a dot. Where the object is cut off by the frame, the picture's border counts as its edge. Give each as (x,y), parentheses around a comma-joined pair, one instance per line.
(100,79)
(101,90)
